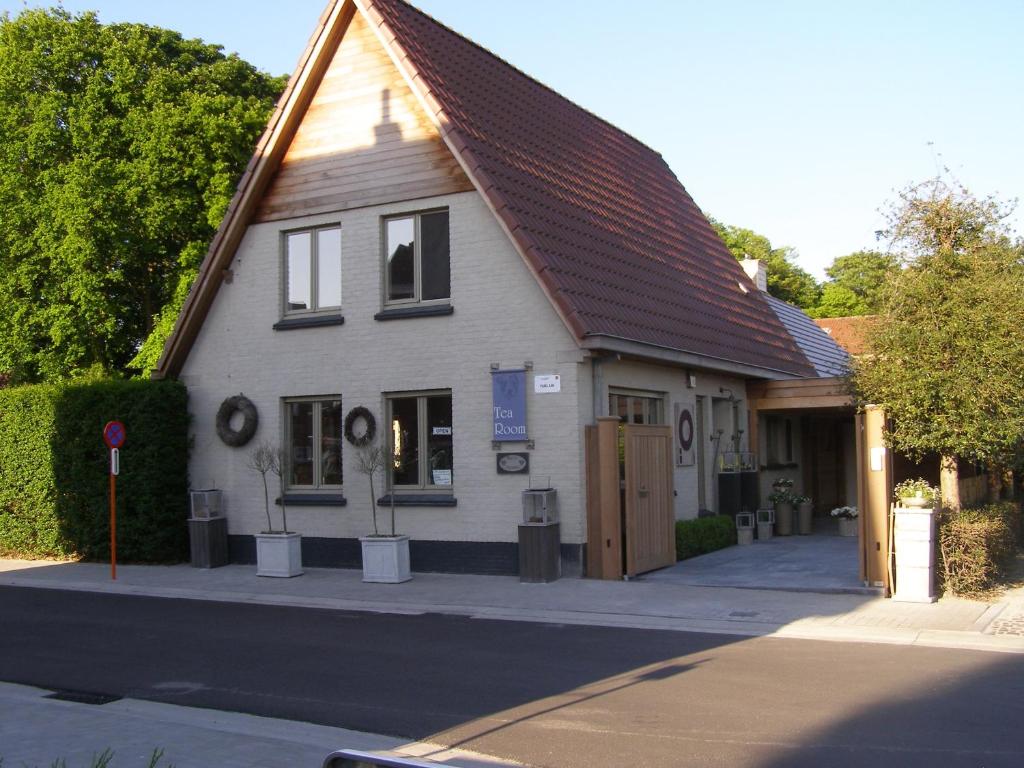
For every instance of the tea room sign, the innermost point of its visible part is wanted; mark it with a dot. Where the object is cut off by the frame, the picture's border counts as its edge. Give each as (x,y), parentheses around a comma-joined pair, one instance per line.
(509,405)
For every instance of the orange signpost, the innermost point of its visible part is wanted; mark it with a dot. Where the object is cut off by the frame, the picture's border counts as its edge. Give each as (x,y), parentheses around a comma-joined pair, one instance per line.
(114,436)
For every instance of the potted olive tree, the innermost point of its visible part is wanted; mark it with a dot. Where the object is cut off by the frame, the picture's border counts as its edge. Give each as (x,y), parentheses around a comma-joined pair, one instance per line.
(385,555)
(278,551)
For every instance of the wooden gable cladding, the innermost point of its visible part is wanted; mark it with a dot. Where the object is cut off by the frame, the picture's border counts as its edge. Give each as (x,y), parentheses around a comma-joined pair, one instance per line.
(363,140)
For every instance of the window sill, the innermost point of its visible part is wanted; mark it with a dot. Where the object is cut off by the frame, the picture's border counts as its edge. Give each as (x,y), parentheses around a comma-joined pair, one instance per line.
(418,500)
(312,321)
(313,500)
(429,310)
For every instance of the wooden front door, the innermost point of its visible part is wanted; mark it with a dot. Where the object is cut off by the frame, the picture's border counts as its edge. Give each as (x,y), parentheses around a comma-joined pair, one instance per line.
(649,521)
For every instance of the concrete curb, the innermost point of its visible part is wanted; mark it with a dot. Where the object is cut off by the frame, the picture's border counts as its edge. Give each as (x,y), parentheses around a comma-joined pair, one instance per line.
(810,628)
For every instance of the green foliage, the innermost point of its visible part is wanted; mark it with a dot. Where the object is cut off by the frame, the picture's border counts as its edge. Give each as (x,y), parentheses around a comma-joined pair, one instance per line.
(54,480)
(703,535)
(856,284)
(121,147)
(977,546)
(786,280)
(947,359)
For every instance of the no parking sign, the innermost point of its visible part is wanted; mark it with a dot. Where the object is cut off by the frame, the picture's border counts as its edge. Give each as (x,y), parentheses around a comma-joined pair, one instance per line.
(114,435)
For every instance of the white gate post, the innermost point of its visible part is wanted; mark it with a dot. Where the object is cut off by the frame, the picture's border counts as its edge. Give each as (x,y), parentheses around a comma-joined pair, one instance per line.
(914,542)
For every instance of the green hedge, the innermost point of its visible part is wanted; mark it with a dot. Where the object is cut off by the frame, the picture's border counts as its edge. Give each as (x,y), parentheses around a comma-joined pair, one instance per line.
(977,545)
(703,535)
(54,478)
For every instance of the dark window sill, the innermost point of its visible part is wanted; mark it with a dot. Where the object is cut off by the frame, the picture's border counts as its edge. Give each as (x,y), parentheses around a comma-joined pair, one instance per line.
(418,500)
(429,310)
(313,321)
(313,500)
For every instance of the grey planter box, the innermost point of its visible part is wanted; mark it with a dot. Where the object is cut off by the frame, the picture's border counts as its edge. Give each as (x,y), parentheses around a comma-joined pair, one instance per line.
(539,552)
(208,542)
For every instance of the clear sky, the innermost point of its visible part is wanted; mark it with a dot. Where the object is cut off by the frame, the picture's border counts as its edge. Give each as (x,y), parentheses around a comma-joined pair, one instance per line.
(796,118)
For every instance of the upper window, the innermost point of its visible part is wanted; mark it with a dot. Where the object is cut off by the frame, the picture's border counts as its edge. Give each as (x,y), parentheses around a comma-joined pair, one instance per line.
(420,441)
(417,252)
(313,429)
(635,407)
(312,269)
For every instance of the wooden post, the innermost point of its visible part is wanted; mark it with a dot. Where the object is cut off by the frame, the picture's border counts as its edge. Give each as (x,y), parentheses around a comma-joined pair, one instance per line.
(610,543)
(874,491)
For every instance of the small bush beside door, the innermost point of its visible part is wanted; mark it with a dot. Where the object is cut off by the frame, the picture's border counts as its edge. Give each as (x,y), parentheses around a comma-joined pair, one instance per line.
(703,535)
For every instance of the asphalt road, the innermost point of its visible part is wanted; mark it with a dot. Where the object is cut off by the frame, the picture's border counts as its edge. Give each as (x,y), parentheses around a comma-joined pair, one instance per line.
(542,694)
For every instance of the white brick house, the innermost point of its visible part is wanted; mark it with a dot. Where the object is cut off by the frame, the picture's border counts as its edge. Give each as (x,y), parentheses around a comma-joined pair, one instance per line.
(417,215)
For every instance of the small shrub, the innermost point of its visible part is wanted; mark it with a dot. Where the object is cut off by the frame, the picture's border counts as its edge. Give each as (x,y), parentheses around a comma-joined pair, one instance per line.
(703,535)
(976,546)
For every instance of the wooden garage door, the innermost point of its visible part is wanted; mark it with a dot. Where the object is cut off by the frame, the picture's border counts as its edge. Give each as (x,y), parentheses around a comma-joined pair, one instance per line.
(649,514)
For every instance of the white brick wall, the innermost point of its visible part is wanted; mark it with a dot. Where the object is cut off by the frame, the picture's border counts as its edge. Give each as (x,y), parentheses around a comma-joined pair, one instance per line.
(501,316)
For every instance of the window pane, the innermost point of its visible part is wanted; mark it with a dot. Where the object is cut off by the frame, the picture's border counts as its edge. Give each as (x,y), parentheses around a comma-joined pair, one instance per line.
(401,264)
(330,442)
(405,433)
(299,259)
(328,268)
(637,410)
(300,454)
(439,439)
(434,253)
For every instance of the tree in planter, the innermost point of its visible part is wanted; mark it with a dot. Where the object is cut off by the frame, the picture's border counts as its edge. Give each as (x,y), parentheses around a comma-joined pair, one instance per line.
(945,360)
(373,459)
(266,458)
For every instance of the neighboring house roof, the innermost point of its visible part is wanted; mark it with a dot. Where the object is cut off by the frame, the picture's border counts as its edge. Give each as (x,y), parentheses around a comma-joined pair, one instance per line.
(619,247)
(828,358)
(848,332)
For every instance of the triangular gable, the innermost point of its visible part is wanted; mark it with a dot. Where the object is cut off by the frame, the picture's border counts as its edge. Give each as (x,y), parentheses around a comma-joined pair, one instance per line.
(364,140)
(616,243)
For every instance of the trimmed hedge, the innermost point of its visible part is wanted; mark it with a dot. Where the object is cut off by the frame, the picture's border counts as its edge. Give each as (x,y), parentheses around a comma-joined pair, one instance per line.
(977,545)
(54,471)
(703,535)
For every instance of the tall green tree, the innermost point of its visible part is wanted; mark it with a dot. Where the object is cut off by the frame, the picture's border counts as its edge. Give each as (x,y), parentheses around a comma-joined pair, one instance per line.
(120,149)
(786,280)
(947,362)
(855,284)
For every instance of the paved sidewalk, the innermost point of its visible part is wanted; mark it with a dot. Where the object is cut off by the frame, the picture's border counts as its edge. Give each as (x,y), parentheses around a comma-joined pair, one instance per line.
(652,603)
(36,731)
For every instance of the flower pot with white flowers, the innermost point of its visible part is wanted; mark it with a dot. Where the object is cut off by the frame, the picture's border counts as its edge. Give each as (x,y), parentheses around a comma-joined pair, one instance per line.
(847,517)
(915,494)
(782,500)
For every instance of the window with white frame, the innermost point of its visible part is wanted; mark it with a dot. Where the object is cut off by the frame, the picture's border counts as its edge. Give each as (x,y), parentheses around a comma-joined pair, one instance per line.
(312,266)
(637,407)
(312,439)
(417,258)
(420,441)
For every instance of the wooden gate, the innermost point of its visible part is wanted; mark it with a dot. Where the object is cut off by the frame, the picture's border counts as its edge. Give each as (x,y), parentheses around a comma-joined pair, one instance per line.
(630,516)
(650,516)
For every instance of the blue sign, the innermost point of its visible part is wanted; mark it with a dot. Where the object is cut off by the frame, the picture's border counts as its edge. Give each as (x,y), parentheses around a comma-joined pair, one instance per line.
(509,397)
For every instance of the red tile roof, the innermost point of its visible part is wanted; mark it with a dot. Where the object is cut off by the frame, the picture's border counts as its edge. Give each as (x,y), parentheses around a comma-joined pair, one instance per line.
(616,241)
(848,332)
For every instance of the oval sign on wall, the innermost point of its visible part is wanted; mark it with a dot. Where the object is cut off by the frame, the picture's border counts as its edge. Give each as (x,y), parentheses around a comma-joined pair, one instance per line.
(513,463)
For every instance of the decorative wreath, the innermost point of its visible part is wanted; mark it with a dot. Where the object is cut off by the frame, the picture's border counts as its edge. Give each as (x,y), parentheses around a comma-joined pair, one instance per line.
(250,420)
(685,429)
(357,413)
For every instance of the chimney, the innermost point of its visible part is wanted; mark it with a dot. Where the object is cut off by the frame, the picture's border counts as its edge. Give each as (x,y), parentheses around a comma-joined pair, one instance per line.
(757,272)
